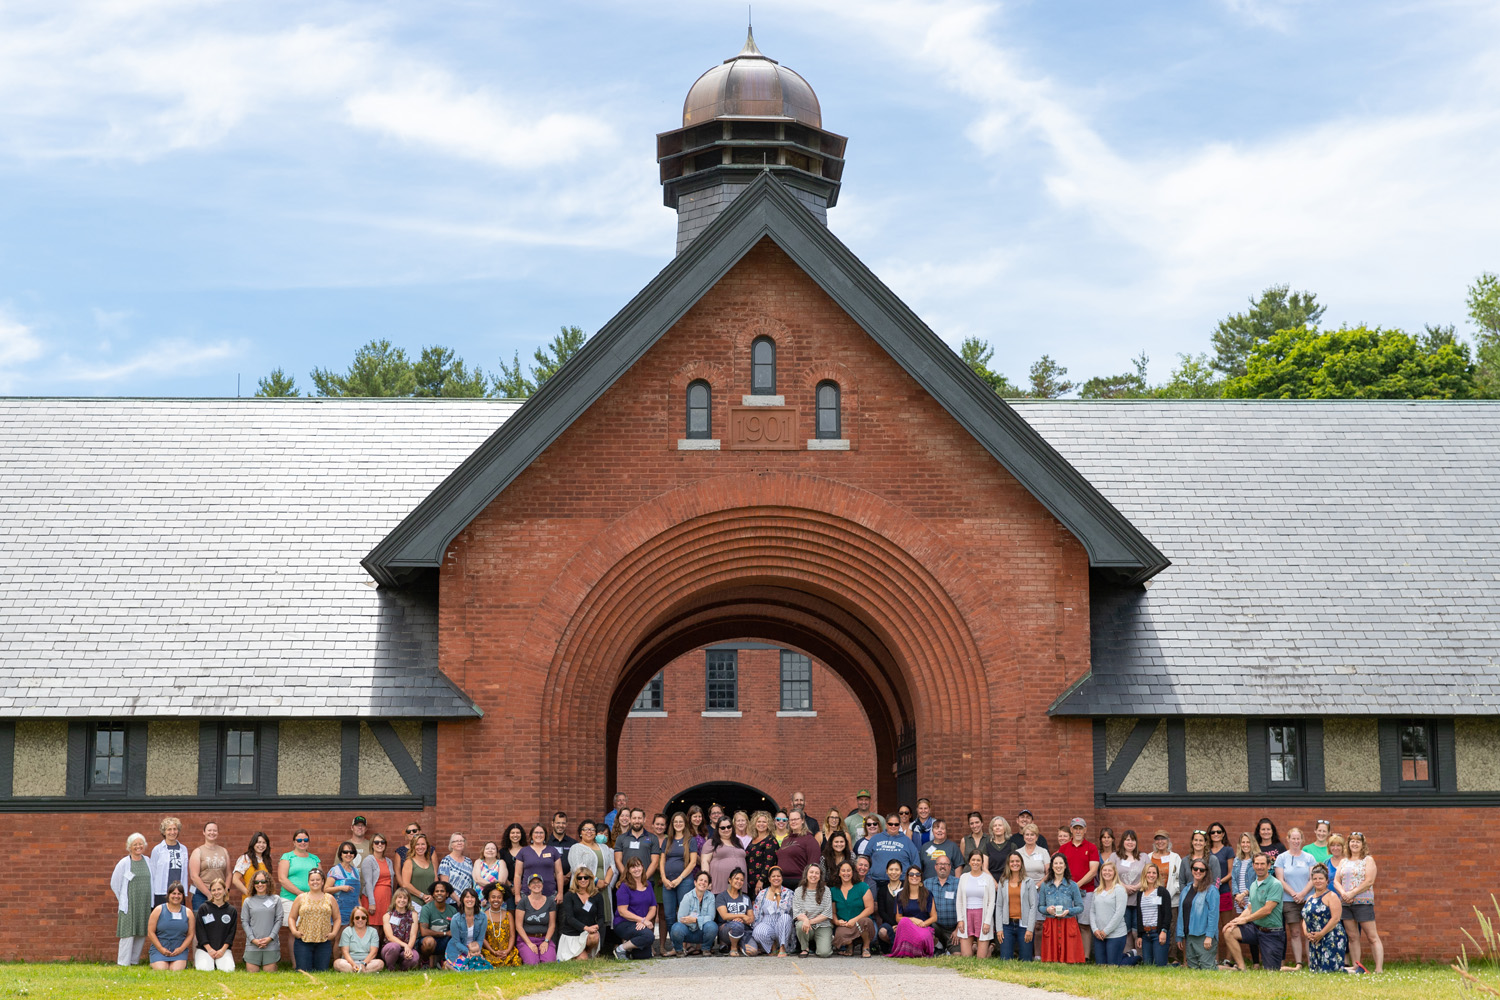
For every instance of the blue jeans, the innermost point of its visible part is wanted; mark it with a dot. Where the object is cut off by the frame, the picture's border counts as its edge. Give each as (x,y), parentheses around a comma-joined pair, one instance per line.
(699,934)
(1013,943)
(671,896)
(1153,952)
(312,957)
(639,940)
(1110,951)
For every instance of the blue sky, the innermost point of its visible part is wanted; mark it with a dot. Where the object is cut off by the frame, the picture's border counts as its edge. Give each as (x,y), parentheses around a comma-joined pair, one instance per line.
(192,191)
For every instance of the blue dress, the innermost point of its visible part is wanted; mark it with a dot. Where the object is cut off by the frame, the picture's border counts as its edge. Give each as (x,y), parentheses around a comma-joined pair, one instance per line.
(1327,954)
(340,875)
(171,931)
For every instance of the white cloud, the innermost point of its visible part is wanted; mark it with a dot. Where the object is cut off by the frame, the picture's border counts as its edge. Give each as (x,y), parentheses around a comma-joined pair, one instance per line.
(163,358)
(1274,14)
(18,345)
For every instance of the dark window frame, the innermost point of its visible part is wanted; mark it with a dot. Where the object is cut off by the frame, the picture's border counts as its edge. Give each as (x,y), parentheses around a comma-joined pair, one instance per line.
(1298,750)
(225,786)
(727,663)
(1429,736)
(754,345)
(708,411)
(791,685)
(838,411)
(651,697)
(92,784)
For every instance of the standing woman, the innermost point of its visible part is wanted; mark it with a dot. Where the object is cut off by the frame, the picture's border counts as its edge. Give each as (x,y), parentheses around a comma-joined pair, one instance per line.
(915,915)
(635,910)
(1269,841)
(832,822)
(292,871)
(511,843)
(1294,872)
(131,883)
(1034,856)
(217,923)
(1336,857)
(457,868)
(1106,845)
(1128,866)
(1108,916)
(1153,916)
(419,871)
(679,863)
(1061,903)
(1322,925)
(812,911)
(741,823)
(976,897)
(853,902)
(314,924)
(208,861)
(400,923)
(540,858)
(379,878)
(1198,916)
(1218,843)
(499,947)
(262,917)
(343,883)
(976,839)
(1357,892)
(257,858)
(1015,910)
(593,855)
(536,921)
(760,856)
(489,869)
(169,859)
(1242,872)
(723,855)
(170,931)
(466,934)
(1198,852)
(772,931)
(700,829)
(581,918)
(999,848)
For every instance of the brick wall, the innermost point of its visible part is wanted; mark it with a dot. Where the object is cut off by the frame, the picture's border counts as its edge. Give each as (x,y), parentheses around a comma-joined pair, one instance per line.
(661,757)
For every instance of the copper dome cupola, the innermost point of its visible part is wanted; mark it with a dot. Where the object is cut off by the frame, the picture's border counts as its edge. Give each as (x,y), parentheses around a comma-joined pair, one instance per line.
(747,115)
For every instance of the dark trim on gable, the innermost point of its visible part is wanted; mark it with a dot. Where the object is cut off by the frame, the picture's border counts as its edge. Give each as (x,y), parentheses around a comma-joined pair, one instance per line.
(1445,748)
(135,759)
(349,758)
(765,209)
(7,759)
(1130,752)
(429,762)
(1177,756)
(78,754)
(400,757)
(1312,744)
(270,747)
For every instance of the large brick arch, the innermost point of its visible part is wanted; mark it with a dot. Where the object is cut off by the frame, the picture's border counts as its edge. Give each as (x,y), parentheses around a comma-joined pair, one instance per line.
(816,564)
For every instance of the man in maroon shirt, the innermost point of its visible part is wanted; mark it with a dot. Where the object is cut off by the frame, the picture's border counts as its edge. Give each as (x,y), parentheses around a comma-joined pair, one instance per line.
(1083,868)
(798,850)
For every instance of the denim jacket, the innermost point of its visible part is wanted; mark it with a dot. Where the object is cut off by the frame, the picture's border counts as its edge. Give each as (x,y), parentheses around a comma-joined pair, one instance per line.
(705,911)
(1067,894)
(1203,921)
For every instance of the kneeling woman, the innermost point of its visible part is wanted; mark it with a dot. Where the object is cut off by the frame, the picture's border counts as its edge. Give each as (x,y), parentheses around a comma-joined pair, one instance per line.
(466,935)
(853,902)
(635,912)
(170,931)
(500,932)
(579,920)
(1060,902)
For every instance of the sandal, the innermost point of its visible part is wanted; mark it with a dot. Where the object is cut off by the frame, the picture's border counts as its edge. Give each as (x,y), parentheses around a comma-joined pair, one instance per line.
(866,954)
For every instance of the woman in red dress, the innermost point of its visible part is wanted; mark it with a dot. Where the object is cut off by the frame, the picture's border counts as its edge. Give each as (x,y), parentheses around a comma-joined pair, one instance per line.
(1060,900)
(378,875)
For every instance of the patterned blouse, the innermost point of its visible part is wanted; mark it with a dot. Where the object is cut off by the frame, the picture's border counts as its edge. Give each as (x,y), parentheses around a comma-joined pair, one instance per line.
(759,857)
(771,903)
(315,917)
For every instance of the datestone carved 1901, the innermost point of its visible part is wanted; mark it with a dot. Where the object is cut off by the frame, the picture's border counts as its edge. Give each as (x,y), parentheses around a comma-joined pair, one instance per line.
(762,428)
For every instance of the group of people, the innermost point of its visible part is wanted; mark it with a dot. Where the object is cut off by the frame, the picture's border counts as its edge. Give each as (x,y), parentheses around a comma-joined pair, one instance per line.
(707,880)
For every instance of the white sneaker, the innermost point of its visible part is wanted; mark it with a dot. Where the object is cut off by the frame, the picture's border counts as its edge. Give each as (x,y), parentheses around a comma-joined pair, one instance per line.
(620,952)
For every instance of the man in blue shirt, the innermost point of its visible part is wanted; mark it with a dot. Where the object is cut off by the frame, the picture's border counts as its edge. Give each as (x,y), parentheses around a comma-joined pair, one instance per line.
(944,889)
(613,814)
(893,845)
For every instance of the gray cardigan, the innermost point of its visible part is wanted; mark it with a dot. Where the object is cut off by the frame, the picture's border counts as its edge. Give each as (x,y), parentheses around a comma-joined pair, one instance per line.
(1028,903)
(260,920)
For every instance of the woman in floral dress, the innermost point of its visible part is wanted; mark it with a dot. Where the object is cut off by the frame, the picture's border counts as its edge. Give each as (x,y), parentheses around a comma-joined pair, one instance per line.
(1323,926)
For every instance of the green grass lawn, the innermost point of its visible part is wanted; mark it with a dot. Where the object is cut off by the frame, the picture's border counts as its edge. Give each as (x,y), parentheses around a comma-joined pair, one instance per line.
(110,982)
(1398,982)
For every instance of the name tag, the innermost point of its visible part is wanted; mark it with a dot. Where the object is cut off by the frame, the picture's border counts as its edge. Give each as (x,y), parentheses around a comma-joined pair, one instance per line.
(634,844)
(948,894)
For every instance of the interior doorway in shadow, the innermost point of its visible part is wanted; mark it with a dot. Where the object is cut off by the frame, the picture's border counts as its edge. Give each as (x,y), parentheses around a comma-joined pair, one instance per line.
(730,794)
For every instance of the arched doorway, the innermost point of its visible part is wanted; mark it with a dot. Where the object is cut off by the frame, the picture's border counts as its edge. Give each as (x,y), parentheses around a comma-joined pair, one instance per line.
(732,795)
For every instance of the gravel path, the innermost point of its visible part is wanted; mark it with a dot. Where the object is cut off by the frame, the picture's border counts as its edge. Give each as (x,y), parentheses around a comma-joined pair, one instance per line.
(769,978)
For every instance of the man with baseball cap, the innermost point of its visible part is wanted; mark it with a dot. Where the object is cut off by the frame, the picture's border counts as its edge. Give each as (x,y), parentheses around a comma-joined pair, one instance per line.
(1083,868)
(358,839)
(1018,839)
(855,821)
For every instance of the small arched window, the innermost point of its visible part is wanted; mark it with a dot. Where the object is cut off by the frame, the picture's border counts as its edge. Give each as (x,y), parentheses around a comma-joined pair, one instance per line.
(763,367)
(698,398)
(830,422)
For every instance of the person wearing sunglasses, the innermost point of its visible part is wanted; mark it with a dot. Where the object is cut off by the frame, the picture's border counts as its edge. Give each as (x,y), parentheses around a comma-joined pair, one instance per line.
(292,869)
(782,829)
(858,820)
(379,877)
(262,917)
(1198,917)
(359,944)
(578,921)
(343,881)
(723,855)
(411,831)
(863,841)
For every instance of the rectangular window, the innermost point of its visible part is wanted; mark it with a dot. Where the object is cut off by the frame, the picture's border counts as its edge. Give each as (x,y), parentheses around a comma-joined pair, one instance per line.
(1416,754)
(238,759)
(1284,753)
(723,682)
(649,700)
(108,772)
(796,682)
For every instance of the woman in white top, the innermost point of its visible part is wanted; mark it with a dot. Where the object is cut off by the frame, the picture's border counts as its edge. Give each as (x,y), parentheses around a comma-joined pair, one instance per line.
(1033,856)
(1108,917)
(1128,865)
(1356,888)
(976,908)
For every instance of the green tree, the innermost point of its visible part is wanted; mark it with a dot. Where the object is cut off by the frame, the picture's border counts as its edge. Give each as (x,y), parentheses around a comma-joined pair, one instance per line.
(976,354)
(1278,308)
(378,369)
(1193,378)
(1131,385)
(1484,313)
(440,372)
(1353,363)
(548,359)
(278,384)
(1049,380)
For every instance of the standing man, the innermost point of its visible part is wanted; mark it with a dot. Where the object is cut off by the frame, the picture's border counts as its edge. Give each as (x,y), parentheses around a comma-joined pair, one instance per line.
(1260,925)
(614,814)
(854,823)
(944,890)
(358,839)
(638,842)
(921,827)
(797,851)
(799,803)
(939,847)
(1083,868)
(558,838)
(1018,839)
(893,845)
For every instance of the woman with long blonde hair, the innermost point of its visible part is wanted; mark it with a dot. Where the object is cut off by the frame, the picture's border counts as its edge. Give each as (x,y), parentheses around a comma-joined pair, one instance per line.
(1356,889)
(760,856)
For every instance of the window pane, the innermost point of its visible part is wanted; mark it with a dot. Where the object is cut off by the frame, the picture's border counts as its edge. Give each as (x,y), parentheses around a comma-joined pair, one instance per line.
(1284,747)
(828,422)
(763,367)
(828,397)
(796,682)
(765,354)
(649,700)
(109,755)
(722,680)
(697,395)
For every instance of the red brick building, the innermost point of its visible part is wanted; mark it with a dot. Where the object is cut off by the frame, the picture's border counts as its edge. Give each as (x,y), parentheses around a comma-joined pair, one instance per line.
(1155,614)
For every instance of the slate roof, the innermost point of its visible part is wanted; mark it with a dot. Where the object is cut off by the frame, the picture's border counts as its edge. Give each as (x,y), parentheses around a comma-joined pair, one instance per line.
(201,557)
(1327,557)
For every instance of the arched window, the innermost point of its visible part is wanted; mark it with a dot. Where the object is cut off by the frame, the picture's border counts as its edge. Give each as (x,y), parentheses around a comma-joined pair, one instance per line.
(763,367)
(830,423)
(698,396)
